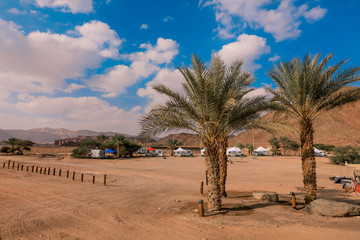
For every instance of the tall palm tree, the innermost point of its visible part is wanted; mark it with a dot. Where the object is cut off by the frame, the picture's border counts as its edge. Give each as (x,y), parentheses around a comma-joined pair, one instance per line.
(306,90)
(102,138)
(119,140)
(172,144)
(212,107)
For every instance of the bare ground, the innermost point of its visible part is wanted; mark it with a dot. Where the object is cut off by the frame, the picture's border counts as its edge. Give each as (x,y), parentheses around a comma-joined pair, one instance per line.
(155,198)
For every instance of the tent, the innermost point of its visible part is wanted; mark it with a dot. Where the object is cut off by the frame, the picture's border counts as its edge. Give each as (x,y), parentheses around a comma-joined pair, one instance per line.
(319,153)
(234,152)
(202,152)
(109,151)
(182,152)
(260,151)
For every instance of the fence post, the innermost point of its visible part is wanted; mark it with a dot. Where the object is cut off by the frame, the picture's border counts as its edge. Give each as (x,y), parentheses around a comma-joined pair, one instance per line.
(13,165)
(54,171)
(22,167)
(105,180)
(40,170)
(94,179)
(36,169)
(59,172)
(202,187)
(201,208)
(18,167)
(9,164)
(73,175)
(82,177)
(4,165)
(67,174)
(32,168)
(27,168)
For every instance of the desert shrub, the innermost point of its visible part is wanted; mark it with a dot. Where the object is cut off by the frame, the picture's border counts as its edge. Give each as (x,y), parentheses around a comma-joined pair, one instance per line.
(5,149)
(80,152)
(348,153)
(324,147)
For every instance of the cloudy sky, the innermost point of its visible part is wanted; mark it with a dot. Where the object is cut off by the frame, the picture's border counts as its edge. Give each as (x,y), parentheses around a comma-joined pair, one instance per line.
(90,64)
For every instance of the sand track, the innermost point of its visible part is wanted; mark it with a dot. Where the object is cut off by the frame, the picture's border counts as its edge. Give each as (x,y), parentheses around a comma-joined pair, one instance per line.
(155,198)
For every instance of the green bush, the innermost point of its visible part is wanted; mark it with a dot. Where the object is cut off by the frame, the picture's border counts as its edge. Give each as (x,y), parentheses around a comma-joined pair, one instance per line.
(348,153)
(5,149)
(81,152)
(324,147)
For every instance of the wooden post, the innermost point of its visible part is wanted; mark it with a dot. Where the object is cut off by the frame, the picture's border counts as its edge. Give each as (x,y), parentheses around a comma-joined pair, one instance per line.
(206,177)
(49,170)
(59,172)
(45,170)
(67,174)
(13,165)
(9,164)
(105,180)
(73,175)
(54,171)
(41,170)
(293,200)
(202,188)
(27,168)
(32,168)
(82,177)
(18,167)
(4,165)
(201,208)
(36,169)
(22,167)
(94,179)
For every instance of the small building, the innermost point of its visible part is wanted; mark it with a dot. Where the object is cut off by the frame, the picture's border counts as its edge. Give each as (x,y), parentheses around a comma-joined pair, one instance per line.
(183,153)
(151,152)
(142,151)
(260,151)
(234,152)
(319,153)
(97,153)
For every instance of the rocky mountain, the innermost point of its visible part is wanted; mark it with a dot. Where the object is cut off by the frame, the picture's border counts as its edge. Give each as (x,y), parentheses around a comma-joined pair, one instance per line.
(48,135)
(339,127)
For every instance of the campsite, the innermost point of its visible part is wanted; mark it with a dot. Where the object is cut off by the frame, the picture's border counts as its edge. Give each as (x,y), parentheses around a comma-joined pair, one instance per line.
(159,197)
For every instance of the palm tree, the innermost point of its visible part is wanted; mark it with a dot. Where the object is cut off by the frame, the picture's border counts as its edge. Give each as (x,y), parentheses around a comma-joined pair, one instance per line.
(172,144)
(119,140)
(306,90)
(102,138)
(213,107)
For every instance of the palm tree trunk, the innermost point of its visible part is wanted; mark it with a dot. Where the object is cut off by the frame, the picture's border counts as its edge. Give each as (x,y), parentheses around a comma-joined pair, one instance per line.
(308,160)
(223,143)
(212,165)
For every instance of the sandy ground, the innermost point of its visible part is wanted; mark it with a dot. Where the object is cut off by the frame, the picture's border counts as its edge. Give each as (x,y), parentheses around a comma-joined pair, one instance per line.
(155,198)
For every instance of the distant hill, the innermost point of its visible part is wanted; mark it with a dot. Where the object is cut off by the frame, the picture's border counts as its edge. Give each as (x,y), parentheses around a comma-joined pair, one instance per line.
(339,127)
(48,135)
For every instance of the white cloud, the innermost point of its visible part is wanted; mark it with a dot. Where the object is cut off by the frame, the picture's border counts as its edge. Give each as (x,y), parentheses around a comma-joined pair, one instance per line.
(282,22)
(171,78)
(41,61)
(115,80)
(144,26)
(315,14)
(167,19)
(274,58)
(247,48)
(74,6)
(73,113)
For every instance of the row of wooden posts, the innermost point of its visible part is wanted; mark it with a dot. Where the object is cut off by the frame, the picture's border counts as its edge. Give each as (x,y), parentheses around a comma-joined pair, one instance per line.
(47,171)
(201,202)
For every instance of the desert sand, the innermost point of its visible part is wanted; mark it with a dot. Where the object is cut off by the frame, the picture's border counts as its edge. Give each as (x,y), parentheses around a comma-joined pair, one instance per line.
(156,198)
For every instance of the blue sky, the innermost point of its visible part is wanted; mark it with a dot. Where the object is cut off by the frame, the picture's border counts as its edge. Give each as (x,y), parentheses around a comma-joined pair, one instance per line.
(90,64)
